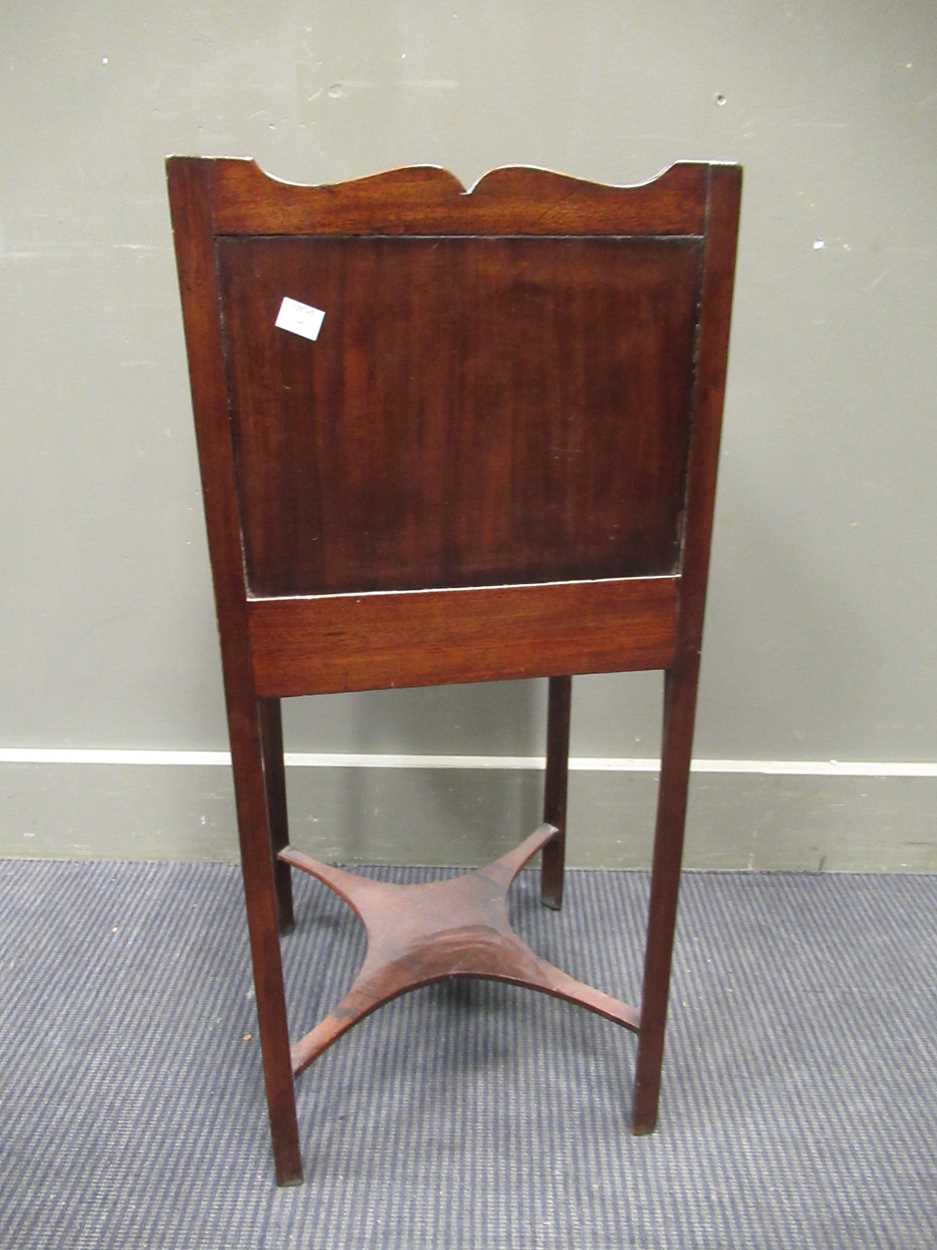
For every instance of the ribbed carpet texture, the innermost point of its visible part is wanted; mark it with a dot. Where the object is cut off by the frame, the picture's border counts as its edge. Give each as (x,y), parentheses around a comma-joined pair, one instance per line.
(799,1097)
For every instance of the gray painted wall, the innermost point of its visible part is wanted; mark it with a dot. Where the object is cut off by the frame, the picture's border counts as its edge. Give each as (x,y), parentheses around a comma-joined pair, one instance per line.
(820,640)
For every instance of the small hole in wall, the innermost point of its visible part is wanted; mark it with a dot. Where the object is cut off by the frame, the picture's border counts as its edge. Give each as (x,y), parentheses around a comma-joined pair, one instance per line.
(719,100)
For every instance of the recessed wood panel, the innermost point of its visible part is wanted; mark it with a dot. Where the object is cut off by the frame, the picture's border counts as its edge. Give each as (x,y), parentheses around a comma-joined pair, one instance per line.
(507,408)
(475,411)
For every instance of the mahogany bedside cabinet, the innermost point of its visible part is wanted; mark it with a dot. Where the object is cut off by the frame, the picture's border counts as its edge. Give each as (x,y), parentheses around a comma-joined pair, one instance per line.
(493,458)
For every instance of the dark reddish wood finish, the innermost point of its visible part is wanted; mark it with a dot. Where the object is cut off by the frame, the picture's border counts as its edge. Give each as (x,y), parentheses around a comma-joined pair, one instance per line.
(424,199)
(190,199)
(559,700)
(403,460)
(418,934)
(336,643)
(271,732)
(681,680)
(499,460)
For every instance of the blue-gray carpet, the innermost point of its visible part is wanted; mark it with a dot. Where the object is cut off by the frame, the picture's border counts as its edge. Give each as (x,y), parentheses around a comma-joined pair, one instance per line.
(798,1105)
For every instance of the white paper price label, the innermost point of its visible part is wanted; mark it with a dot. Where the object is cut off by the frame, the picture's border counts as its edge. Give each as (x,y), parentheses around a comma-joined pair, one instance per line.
(300,318)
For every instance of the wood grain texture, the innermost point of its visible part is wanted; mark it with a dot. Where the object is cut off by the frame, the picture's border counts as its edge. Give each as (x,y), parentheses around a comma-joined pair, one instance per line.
(428,200)
(418,934)
(682,678)
(191,212)
(506,430)
(336,643)
(474,412)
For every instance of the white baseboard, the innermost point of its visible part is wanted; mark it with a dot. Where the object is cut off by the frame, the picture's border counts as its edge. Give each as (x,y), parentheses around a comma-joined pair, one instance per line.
(796,815)
(586,764)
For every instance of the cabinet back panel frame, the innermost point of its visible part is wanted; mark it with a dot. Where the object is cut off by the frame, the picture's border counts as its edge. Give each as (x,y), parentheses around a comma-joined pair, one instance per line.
(691,205)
